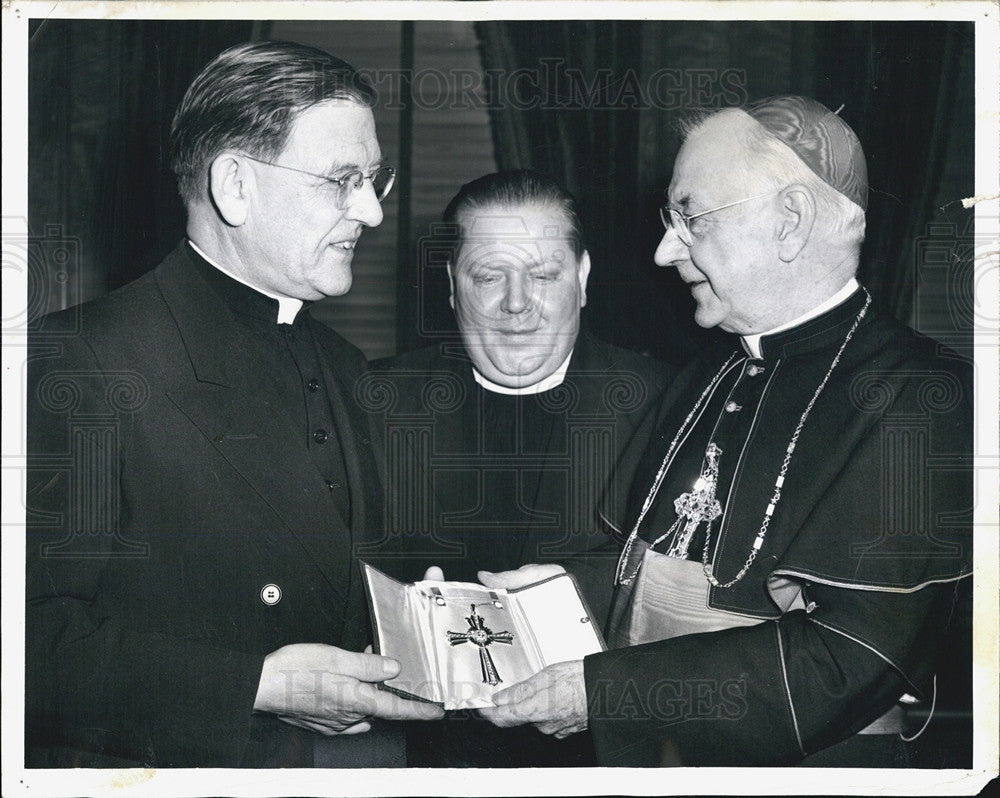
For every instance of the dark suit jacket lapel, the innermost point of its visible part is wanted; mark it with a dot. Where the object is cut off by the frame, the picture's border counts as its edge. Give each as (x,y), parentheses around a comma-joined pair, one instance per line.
(233,411)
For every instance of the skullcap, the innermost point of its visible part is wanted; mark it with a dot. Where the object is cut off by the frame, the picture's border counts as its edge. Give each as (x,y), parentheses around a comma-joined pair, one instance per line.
(822,140)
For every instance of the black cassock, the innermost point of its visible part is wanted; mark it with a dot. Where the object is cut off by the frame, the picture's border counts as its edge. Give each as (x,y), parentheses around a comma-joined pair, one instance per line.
(476,479)
(186,451)
(873,525)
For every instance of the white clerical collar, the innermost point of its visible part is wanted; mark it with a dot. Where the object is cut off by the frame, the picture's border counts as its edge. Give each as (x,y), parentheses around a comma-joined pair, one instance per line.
(288,307)
(550,382)
(752,342)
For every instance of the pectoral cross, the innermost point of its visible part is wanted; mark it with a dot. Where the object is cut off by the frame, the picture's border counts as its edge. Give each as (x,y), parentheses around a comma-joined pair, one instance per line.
(698,505)
(480,634)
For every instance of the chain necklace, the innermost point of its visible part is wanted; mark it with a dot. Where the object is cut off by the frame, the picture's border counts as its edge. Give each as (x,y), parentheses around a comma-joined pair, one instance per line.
(620,577)
(778,483)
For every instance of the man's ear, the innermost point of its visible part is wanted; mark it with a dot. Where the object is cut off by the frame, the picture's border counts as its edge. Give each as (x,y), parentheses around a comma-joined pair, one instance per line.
(230,180)
(583,272)
(451,284)
(795,221)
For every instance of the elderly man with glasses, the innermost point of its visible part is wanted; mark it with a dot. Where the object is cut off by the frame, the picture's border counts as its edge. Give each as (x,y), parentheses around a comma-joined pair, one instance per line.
(200,469)
(798,531)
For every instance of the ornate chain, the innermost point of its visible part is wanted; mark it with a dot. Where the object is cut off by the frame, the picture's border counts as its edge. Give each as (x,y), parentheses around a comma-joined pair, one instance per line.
(620,577)
(776,497)
(759,540)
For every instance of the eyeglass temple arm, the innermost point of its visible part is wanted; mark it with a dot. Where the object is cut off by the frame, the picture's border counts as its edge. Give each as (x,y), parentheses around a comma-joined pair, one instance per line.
(729,205)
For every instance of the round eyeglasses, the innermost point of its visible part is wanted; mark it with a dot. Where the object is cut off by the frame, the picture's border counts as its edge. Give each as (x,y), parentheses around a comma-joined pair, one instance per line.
(680,222)
(381,180)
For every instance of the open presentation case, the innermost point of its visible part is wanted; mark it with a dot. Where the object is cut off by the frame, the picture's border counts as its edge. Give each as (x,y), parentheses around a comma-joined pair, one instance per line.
(458,642)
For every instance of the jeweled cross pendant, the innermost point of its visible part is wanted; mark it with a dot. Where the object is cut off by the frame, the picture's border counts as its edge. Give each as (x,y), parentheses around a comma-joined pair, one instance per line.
(698,505)
(480,634)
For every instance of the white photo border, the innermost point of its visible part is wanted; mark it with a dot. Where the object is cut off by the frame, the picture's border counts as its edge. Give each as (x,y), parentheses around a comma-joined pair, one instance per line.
(17,781)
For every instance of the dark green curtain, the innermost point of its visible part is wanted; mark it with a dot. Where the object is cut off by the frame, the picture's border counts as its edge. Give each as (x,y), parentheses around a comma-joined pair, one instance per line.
(101,97)
(906,91)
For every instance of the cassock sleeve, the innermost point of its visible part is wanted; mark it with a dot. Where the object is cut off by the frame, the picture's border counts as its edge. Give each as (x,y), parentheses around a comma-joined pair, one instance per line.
(767,694)
(94,681)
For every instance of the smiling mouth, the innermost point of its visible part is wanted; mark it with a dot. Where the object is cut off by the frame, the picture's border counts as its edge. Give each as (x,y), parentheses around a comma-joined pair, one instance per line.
(346,246)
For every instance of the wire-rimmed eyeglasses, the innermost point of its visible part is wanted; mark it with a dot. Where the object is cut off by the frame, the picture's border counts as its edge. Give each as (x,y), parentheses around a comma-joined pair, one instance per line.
(679,222)
(381,179)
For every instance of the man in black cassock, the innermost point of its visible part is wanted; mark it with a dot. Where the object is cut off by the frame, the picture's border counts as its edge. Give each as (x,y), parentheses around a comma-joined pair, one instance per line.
(198,467)
(799,526)
(498,446)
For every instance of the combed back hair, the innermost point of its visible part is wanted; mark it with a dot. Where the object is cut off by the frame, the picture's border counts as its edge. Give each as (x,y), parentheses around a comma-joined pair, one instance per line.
(769,162)
(510,190)
(247,99)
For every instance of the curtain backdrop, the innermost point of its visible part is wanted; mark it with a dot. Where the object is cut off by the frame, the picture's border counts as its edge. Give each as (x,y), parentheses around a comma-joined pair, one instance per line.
(902,80)
(593,104)
(568,116)
(898,82)
(101,99)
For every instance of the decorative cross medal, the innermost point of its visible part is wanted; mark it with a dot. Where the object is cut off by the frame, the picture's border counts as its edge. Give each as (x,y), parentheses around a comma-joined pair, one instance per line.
(480,634)
(698,505)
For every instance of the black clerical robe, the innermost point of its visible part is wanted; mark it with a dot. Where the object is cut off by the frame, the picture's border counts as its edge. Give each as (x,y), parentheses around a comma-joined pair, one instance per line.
(872,524)
(476,479)
(198,475)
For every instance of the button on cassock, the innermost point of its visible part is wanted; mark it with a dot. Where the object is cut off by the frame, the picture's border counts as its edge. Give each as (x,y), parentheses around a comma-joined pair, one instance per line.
(313,385)
(321,436)
(270,594)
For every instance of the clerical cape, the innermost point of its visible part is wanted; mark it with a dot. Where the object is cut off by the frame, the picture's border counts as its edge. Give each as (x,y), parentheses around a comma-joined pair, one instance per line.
(872,529)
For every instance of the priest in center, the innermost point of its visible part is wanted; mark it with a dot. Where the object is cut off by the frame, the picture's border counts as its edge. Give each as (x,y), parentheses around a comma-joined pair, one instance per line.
(498,446)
